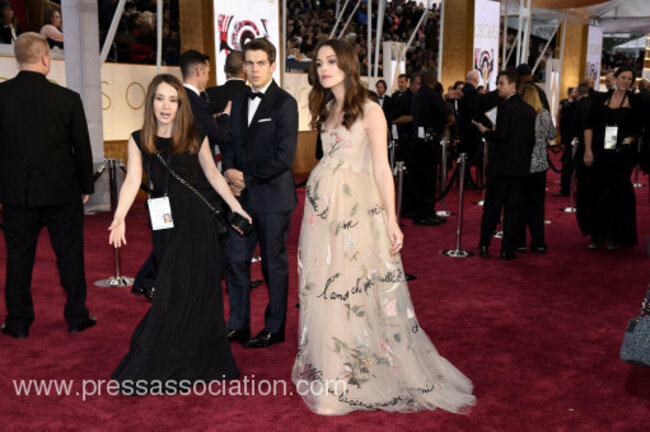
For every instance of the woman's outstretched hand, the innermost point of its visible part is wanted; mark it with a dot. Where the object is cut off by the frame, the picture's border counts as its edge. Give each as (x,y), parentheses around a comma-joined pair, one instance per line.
(117,236)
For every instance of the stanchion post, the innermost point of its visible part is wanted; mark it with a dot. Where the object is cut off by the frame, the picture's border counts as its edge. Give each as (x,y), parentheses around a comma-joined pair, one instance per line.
(117,280)
(400,188)
(572,192)
(391,152)
(484,176)
(458,252)
(636,183)
(444,144)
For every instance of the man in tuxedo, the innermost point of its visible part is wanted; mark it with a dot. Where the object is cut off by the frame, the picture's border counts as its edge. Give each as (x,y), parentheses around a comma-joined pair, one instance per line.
(219,96)
(46,175)
(195,68)
(382,98)
(257,162)
(509,164)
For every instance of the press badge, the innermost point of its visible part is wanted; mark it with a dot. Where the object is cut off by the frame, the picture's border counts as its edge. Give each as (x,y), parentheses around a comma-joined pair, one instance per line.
(160,213)
(421,132)
(611,137)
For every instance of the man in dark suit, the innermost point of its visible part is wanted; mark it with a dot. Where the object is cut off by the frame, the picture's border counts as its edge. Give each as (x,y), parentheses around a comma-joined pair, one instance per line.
(195,68)
(472,107)
(508,165)
(382,98)
(430,116)
(219,96)
(257,162)
(46,175)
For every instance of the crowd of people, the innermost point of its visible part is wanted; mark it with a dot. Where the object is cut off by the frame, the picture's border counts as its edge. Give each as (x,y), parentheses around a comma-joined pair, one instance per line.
(183,338)
(422,115)
(357,322)
(310,22)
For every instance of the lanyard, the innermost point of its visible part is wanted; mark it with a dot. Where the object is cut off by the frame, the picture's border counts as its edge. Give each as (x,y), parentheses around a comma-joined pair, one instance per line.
(166,189)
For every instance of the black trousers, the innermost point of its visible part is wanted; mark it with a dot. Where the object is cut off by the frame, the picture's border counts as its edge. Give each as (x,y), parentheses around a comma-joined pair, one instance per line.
(568,165)
(532,211)
(423,168)
(271,230)
(502,192)
(22,226)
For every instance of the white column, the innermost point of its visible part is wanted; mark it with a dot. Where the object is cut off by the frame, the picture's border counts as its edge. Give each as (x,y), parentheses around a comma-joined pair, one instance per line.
(82,66)
(83,75)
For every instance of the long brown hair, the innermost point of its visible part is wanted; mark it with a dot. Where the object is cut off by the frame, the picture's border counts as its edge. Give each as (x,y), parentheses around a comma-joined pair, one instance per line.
(530,95)
(355,93)
(184,135)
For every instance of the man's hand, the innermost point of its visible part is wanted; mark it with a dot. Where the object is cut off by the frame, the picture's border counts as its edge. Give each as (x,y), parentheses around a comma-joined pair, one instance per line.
(228,107)
(236,191)
(236,178)
(84,198)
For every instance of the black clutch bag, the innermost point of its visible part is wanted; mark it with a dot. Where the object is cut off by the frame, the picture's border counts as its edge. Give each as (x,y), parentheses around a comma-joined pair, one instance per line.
(238,221)
(218,218)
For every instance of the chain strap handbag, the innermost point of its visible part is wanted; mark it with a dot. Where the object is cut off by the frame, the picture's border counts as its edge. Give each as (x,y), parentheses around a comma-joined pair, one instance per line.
(636,343)
(218,218)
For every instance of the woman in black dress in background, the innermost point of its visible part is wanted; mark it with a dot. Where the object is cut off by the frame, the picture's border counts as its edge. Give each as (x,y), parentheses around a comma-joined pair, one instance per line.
(611,208)
(183,335)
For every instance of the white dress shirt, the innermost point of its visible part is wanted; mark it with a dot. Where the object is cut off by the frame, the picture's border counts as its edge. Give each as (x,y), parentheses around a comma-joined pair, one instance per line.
(191,87)
(254,103)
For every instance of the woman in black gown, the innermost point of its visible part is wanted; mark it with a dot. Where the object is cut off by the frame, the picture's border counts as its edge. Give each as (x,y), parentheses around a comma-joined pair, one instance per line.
(183,335)
(609,214)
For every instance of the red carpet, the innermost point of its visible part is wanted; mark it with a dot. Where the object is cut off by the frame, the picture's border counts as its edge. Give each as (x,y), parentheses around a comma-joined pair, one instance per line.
(539,337)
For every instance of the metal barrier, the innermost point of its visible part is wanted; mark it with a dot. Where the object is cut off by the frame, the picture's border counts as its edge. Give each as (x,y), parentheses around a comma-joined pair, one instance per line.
(398,173)
(117,280)
(458,252)
(444,143)
(572,192)
(485,162)
(636,183)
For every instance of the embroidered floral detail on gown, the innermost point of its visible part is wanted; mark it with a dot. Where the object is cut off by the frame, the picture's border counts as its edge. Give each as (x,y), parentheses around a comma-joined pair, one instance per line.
(357,321)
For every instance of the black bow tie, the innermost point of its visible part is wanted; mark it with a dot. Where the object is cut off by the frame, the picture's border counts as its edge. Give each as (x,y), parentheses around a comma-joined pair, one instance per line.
(253,95)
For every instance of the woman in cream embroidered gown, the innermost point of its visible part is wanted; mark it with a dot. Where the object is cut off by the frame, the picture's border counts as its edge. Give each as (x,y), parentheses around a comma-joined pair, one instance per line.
(360,346)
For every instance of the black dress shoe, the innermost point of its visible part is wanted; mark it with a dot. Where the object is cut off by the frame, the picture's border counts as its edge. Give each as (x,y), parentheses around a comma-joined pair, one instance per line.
(429,221)
(522,249)
(265,339)
(483,251)
(242,335)
(89,322)
(14,334)
(539,249)
(507,256)
(410,277)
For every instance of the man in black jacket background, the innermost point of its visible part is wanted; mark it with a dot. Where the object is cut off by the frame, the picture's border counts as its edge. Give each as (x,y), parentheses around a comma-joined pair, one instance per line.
(508,165)
(46,175)
(219,96)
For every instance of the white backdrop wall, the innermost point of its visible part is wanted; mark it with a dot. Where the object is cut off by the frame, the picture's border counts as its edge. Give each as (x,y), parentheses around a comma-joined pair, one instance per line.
(123,91)
(237,22)
(594,52)
(486,41)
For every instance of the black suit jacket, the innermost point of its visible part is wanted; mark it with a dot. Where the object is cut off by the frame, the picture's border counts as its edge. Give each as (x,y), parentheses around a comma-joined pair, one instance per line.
(220,95)
(264,151)
(473,106)
(217,130)
(513,139)
(45,156)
